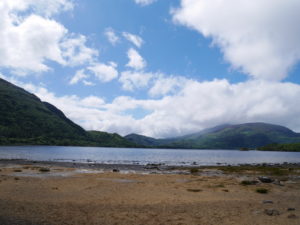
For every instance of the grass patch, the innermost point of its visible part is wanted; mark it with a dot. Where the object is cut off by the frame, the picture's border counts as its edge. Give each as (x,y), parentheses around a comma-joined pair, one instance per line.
(194,190)
(262,190)
(194,170)
(266,170)
(248,182)
(220,186)
(44,169)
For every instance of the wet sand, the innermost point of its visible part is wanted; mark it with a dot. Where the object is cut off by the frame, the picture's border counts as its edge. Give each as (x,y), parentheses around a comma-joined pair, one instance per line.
(79,194)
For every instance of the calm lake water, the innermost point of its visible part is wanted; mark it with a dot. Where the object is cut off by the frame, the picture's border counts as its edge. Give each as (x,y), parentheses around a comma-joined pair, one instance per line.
(145,156)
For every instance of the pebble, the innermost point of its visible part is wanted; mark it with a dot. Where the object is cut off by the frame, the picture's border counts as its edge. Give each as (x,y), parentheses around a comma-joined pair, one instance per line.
(267,202)
(271,212)
(277,182)
(291,209)
(266,179)
(292,216)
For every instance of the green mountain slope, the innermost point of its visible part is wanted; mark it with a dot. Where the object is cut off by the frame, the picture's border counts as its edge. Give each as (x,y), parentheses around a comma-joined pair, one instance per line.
(249,135)
(25,119)
(148,141)
(105,139)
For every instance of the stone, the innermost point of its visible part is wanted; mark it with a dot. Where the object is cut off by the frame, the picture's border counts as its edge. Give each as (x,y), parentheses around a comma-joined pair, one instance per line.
(249,182)
(265,179)
(267,202)
(271,212)
(292,216)
(277,182)
(291,209)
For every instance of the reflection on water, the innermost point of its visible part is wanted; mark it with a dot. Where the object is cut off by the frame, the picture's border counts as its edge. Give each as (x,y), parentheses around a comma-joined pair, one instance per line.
(145,156)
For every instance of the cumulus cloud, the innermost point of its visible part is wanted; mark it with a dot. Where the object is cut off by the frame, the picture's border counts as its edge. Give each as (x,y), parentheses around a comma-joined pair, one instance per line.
(134,79)
(30,37)
(136,61)
(75,52)
(135,39)
(144,2)
(43,7)
(26,46)
(111,36)
(167,85)
(79,75)
(92,101)
(103,72)
(258,37)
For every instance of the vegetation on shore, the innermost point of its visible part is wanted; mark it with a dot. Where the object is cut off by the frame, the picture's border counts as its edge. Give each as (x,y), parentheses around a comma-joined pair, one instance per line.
(289,147)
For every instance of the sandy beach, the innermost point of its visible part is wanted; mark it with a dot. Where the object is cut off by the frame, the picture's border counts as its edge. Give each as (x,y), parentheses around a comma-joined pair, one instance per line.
(52,193)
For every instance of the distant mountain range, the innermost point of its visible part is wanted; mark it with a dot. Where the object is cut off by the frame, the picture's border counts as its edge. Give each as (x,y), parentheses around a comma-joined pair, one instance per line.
(241,136)
(26,120)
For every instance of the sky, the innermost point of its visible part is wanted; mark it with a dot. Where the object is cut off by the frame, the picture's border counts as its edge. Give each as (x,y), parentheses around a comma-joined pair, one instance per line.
(160,68)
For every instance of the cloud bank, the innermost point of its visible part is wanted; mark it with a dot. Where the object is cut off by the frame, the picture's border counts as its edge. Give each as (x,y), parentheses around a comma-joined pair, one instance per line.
(260,38)
(197,105)
(30,37)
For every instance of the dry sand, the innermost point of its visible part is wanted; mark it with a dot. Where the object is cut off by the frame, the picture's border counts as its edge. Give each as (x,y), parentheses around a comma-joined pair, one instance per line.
(70,196)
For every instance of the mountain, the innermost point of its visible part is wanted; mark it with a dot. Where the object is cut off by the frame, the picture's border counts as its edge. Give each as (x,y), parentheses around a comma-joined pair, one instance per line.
(148,141)
(25,119)
(248,135)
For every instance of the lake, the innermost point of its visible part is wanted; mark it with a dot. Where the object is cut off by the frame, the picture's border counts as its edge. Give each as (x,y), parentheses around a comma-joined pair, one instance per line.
(145,156)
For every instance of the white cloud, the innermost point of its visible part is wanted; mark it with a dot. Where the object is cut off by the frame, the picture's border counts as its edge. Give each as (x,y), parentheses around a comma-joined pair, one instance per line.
(261,38)
(44,7)
(79,75)
(167,85)
(88,83)
(75,51)
(134,79)
(135,39)
(92,101)
(136,61)
(27,45)
(111,36)
(30,37)
(103,72)
(144,2)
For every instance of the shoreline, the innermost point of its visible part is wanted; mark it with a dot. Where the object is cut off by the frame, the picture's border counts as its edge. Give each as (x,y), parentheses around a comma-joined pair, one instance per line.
(162,168)
(54,193)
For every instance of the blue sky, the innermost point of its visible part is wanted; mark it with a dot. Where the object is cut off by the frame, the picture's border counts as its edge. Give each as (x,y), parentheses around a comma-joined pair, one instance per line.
(159,68)
(167,48)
